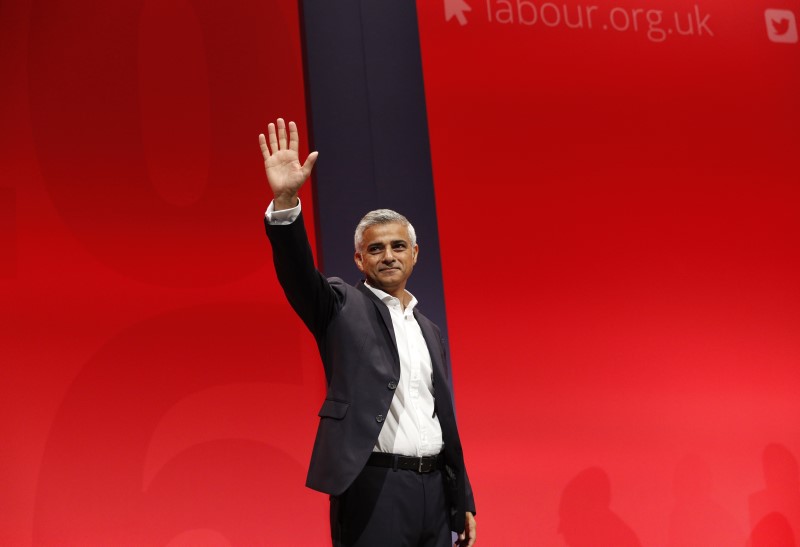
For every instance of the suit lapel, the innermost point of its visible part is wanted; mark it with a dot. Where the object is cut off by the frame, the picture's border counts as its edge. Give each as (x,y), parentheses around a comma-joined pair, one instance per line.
(434,344)
(386,316)
(442,397)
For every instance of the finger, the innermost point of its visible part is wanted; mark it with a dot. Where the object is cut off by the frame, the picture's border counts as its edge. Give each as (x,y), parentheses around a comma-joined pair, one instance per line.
(262,142)
(273,139)
(281,134)
(293,137)
(309,164)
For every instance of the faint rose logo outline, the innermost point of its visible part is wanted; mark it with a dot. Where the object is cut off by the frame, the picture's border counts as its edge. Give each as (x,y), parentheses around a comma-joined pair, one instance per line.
(781,26)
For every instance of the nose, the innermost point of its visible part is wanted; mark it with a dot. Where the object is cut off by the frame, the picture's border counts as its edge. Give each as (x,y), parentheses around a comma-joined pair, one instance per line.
(388,257)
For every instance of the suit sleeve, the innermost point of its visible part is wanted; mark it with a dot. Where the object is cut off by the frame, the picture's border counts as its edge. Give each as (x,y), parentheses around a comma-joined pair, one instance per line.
(309,293)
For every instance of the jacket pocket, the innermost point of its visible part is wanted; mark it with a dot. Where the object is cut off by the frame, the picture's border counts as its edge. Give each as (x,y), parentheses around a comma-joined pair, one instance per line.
(333,409)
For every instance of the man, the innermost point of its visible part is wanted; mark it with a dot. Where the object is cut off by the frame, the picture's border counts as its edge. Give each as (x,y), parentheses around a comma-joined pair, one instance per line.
(387,448)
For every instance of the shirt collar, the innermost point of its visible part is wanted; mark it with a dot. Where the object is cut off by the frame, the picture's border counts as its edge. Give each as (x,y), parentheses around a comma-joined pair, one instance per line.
(387,298)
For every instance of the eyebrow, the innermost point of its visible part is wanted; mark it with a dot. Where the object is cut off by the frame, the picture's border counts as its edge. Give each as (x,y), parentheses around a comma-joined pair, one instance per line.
(393,242)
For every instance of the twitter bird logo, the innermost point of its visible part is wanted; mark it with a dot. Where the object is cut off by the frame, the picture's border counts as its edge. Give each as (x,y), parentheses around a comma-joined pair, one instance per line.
(781,26)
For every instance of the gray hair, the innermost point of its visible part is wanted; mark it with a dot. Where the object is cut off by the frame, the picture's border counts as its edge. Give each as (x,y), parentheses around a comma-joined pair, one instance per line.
(382,216)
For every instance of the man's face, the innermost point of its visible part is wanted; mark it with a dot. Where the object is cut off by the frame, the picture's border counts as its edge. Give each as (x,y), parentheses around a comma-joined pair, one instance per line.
(386,257)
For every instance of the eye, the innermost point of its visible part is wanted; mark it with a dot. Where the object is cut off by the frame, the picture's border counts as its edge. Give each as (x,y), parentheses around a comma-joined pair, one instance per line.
(399,246)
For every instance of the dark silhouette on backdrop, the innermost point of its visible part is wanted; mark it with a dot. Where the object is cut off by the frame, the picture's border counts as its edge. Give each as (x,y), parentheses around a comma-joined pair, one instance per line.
(586,519)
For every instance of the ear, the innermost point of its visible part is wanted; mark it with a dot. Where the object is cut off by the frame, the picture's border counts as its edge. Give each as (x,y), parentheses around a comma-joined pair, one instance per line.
(415,253)
(359,261)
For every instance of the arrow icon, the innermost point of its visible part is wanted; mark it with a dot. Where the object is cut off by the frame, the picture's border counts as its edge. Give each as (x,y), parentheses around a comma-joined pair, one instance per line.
(456,8)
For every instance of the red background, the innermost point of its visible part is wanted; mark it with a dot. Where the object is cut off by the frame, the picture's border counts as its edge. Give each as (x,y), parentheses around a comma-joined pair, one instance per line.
(620,244)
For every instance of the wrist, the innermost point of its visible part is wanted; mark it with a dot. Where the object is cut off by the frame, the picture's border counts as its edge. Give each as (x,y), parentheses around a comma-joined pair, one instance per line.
(285,202)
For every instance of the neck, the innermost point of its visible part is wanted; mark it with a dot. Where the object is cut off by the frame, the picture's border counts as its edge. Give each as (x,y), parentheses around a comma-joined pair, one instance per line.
(403,297)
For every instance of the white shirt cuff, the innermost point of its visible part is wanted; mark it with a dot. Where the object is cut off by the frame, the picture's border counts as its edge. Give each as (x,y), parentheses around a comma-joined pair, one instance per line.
(284,216)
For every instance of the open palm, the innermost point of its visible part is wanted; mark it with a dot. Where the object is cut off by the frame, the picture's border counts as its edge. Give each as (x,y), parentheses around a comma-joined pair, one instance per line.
(282,162)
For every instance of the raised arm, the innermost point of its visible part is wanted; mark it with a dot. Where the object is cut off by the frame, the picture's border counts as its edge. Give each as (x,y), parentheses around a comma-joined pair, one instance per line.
(285,174)
(307,290)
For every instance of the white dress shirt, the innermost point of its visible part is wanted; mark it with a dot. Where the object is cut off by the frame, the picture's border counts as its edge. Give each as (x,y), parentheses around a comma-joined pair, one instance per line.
(410,428)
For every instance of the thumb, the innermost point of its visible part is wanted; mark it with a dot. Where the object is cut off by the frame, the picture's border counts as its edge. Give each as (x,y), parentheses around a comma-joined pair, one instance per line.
(309,164)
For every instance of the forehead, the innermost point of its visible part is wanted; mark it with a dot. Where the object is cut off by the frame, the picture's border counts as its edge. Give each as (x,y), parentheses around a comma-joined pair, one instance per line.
(385,233)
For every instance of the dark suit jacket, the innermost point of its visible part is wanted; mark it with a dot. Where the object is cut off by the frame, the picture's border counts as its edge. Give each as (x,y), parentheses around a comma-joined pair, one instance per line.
(355,337)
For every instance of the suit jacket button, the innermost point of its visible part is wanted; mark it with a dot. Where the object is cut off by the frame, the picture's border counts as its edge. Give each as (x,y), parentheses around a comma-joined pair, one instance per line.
(392,385)
(379,418)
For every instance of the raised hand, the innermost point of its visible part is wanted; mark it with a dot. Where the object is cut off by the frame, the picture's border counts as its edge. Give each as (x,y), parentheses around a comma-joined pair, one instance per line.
(284,172)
